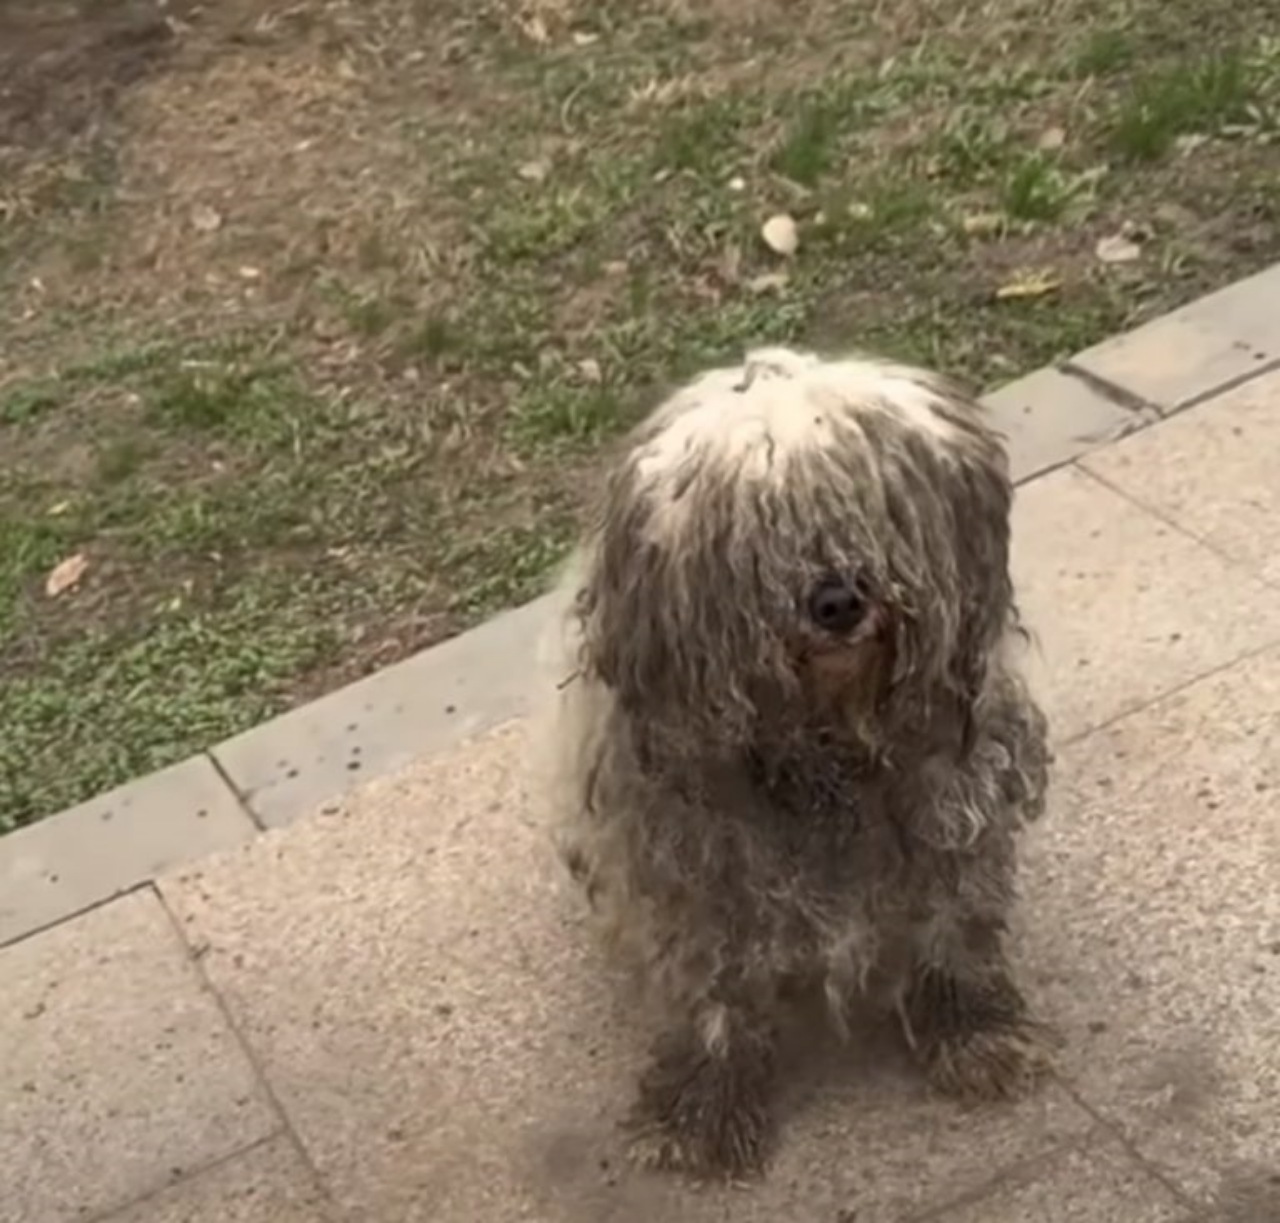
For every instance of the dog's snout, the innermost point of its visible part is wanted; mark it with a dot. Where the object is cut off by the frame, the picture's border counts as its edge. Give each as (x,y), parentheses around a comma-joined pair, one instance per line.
(836,606)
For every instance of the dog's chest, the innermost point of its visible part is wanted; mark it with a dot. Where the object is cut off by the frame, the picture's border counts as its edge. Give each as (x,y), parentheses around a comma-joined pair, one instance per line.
(833,819)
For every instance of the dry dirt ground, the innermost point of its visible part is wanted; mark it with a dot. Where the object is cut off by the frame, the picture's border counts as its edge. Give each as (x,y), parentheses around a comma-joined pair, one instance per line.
(317,316)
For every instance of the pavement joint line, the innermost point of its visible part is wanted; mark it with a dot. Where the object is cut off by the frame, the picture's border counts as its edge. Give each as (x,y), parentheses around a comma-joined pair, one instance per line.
(1110,391)
(1082,466)
(98,902)
(195,959)
(187,1175)
(1073,451)
(242,799)
(1020,1172)
(1167,694)
(1231,384)
(1118,1134)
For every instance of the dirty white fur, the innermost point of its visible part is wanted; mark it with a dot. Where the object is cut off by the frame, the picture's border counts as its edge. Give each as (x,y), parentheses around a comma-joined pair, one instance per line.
(752,800)
(751,421)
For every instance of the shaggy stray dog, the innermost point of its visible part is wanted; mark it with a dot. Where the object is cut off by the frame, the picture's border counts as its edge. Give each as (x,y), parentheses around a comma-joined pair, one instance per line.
(794,747)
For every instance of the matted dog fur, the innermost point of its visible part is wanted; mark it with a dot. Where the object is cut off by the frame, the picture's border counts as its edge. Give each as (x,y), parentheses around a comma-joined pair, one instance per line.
(793,746)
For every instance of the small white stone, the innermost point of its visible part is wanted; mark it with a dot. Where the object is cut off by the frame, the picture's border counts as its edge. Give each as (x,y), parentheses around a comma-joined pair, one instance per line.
(781,235)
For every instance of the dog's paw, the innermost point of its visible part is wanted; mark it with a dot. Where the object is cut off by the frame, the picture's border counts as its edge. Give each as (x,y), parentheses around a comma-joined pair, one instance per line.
(996,1064)
(705,1117)
(733,1148)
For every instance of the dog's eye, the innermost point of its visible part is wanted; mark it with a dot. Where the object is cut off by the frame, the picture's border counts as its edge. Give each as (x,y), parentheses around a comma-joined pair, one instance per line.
(836,606)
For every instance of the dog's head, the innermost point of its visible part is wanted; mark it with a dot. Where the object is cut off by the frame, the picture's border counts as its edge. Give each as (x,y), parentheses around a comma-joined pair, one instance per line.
(800,542)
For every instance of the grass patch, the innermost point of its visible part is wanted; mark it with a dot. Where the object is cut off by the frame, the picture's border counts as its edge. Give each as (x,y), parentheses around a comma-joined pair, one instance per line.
(508,566)
(807,151)
(1105,52)
(133,701)
(1037,189)
(1197,99)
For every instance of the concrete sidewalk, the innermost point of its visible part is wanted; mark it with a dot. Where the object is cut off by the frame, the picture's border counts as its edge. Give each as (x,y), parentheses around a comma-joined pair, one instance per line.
(389,1009)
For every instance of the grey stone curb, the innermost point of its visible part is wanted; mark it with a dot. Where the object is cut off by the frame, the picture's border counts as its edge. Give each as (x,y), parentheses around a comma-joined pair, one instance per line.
(269,776)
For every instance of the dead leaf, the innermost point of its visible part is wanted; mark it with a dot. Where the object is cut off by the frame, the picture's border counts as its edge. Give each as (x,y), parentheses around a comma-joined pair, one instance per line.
(780,235)
(729,265)
(1174,215)
(56,511)
(1117,249)
(982,224)
(65,574)
(535,171)
(1051,138)
(770,282)
(534,29)
(1029,285)
(206,219)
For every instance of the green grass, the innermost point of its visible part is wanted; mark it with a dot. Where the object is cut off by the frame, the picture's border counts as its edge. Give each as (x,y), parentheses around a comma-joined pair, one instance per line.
(1036,189)
(128,702)
(369,408)
(1199,98)
(1105,52)
(807,152)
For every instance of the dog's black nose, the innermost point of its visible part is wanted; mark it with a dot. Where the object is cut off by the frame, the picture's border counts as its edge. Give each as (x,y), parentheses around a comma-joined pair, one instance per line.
(836,606)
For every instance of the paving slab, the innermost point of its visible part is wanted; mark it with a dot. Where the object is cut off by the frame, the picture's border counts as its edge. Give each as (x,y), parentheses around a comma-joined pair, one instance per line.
(269,1183)
(1213,471)
(106,846)
(1049,418)
(117,1069)
(1097,1183)
(288,766)
(1154,901)
(1205,347)
(415,978)
(1122,605)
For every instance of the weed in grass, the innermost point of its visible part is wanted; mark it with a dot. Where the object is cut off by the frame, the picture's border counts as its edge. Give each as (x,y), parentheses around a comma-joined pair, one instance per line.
(371,315)
(1104,52)
(808,145)
(1199,99)
(969,149)
(429,339)
(1036,189)
(698,137)
(120,458)
(27,400)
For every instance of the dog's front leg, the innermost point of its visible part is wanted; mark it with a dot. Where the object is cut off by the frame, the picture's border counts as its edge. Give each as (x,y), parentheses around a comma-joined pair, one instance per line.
(705,1099)
(965,1014)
